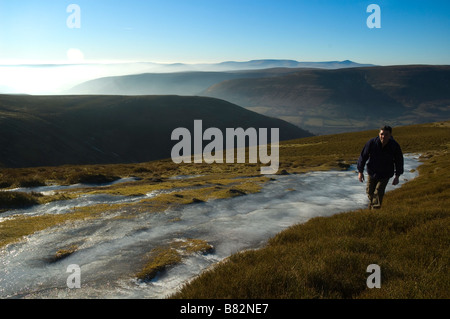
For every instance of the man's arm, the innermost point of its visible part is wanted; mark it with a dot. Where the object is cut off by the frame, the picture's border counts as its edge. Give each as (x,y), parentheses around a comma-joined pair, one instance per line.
(363,157)
(399,164)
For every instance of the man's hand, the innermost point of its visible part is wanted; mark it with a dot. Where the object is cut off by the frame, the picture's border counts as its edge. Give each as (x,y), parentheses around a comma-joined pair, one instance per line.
(396,180)
(361,177)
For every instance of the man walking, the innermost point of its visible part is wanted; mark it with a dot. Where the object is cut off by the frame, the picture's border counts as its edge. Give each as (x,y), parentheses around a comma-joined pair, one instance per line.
(385,159)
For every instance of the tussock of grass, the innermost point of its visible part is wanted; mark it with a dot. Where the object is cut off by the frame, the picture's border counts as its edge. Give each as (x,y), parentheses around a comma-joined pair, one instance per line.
(16,199)
(64,252)
(191,246)
(90,178)
(159,260)
(162,258)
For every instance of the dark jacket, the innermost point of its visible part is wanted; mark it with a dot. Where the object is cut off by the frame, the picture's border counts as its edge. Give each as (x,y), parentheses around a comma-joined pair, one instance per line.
(383,161)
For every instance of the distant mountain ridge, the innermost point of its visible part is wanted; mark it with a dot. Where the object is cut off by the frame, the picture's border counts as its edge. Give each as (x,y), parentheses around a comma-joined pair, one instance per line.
(271,63)
(192,79)
(178,83)
(58,130)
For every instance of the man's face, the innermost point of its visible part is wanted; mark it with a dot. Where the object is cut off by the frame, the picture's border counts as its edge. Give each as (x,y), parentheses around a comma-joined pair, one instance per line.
(384,136)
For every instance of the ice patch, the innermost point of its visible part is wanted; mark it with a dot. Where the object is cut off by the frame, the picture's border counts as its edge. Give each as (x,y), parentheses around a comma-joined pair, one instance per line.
(54,188)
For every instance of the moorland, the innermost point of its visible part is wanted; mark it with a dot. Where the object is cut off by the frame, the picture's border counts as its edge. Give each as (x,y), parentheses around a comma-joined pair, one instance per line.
(325,257)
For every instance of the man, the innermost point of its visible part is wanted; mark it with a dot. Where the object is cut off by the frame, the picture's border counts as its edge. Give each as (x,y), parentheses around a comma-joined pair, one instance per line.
(385,159)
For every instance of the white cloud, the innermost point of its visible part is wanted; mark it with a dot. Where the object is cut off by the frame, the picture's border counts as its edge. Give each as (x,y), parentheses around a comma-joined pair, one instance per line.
(75,56)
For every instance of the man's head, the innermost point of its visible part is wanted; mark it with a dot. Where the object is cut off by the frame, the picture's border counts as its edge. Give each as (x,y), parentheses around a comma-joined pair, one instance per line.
(385,134)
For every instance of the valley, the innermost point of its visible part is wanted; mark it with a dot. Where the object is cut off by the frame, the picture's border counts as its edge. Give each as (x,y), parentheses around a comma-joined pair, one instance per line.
(319,100)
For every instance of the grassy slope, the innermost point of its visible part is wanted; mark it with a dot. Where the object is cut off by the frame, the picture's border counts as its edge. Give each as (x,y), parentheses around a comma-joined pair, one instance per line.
(57,130)
(327,257)
(298,263)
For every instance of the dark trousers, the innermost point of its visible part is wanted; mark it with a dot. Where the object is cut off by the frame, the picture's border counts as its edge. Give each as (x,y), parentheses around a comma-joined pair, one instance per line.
(376,188)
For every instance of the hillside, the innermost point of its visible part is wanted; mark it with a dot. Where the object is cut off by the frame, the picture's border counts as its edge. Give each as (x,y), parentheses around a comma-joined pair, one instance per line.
(178,83)
(192,79)
(333,101)
(140,236)
(325,98)
(57,130)
(327,257)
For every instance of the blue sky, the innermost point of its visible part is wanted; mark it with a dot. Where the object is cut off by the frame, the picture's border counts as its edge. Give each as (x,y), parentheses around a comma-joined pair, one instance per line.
(194,31)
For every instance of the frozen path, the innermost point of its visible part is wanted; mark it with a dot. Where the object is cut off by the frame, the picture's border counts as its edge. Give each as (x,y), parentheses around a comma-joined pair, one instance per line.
(109,247)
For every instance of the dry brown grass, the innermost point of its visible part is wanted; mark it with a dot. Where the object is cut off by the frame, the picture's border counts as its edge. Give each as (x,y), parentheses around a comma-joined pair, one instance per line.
(327,257)
(161,258)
